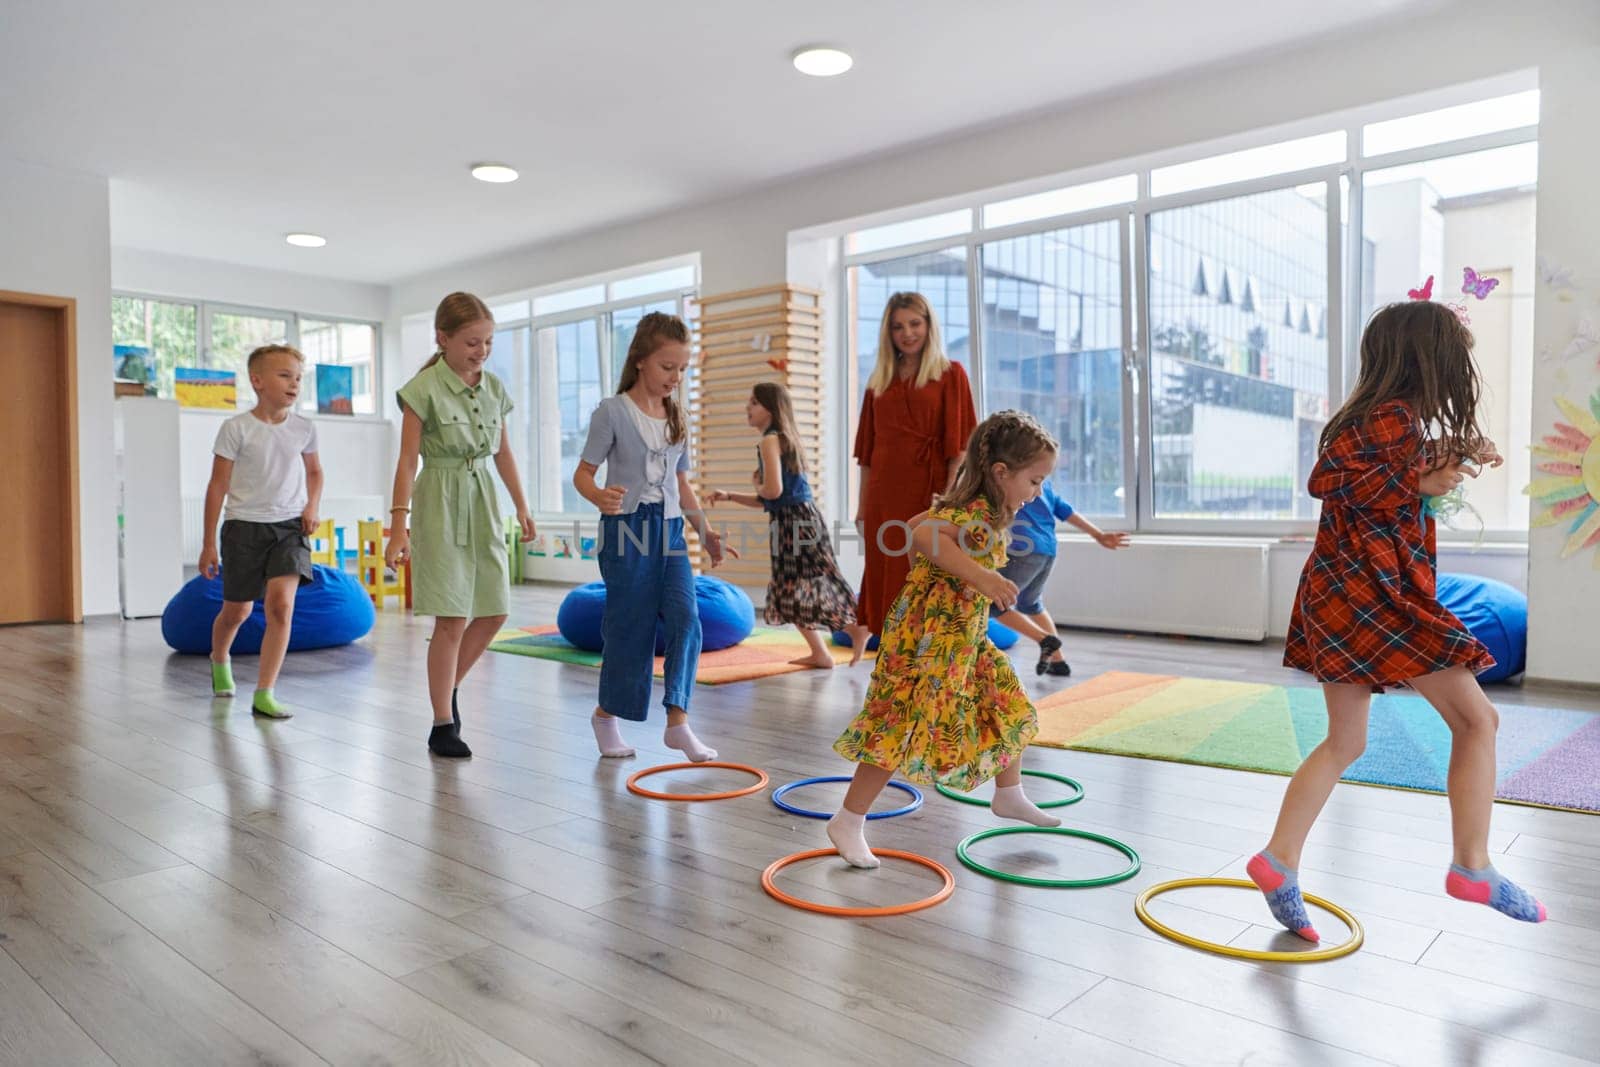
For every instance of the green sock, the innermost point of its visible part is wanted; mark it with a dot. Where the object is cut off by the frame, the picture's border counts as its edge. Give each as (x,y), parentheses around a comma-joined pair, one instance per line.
(222,678)
(267,704)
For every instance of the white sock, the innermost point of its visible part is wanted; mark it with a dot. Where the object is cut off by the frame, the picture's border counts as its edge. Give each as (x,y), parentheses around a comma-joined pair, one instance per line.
(683,739)
(608,735)
(1010,802)
(848,832)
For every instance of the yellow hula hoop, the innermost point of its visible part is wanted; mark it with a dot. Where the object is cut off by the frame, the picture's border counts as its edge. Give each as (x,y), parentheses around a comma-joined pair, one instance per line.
(1319,955)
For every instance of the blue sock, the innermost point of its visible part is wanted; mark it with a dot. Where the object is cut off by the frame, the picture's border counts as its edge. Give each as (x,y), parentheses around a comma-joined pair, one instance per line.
(1489,886)
(1281,886)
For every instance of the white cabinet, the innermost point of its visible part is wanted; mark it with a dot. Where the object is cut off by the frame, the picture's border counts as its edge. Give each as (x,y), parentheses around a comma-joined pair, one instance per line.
(149,505)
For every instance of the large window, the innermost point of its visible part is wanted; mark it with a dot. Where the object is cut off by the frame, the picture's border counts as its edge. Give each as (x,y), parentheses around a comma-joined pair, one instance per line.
(1238,353)
(344,344)
(221,337)
(1052,346)
(561,352)
(1187,329)
(1440,217)
(168,332)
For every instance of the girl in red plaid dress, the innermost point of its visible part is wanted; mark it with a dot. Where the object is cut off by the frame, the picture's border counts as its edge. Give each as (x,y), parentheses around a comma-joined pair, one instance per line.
(1365,615)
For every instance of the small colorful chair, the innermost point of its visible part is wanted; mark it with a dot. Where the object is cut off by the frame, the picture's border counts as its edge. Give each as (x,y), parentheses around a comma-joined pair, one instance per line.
(371,570)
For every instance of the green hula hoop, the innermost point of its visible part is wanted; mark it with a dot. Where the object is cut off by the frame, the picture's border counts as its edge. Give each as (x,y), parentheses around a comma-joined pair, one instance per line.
(1060,803)
(1050,883)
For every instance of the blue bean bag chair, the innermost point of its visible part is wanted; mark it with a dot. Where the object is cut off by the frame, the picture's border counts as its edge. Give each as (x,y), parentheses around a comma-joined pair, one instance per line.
(1496,614)
(1002,636)
(726,615)
(332,610)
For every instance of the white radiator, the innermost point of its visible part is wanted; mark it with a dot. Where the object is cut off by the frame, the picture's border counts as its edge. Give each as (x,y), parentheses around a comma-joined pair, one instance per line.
(345,511)
(1199,587)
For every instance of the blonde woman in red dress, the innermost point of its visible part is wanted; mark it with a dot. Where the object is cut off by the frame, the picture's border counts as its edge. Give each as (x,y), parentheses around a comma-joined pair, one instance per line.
(915,421)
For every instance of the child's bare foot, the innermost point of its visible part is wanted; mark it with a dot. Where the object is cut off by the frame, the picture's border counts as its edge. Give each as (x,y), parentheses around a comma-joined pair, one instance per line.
(859,635)
(822,661)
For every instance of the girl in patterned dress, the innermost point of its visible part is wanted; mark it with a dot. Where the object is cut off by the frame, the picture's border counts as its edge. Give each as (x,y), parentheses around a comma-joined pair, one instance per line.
(1366,616)
(944,706)
(806,588)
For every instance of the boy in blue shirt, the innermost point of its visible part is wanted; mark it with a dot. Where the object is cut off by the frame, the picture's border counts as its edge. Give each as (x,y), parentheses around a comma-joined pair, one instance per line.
(1032,554)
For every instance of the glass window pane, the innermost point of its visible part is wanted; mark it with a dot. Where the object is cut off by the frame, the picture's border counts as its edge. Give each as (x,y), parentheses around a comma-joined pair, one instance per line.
(1281,158)
(569,359)
(1239,354)
(513,311)
(233,337)
(928,228)
(508,361)
(1451,123)
(168,331)
(940,276)
(1437,218)
(623,322)
(1087,197)
(344,344)
(661,281)
(1052,346)
(569,300)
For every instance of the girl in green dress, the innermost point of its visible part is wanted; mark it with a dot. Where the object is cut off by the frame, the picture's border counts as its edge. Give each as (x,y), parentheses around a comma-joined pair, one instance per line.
(454,419)
(944,706)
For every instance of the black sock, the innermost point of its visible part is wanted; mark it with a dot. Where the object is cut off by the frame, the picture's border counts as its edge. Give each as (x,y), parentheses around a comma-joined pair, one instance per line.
(442,741)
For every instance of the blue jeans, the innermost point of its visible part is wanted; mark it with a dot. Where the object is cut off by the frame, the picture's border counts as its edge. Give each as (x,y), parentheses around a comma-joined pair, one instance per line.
(645,563)
(1028,571)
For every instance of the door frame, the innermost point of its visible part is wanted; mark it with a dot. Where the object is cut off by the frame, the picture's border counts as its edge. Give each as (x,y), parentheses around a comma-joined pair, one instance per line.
(65,374)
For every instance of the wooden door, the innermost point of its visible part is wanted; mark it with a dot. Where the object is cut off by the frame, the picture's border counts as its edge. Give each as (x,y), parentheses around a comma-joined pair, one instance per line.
(38,460)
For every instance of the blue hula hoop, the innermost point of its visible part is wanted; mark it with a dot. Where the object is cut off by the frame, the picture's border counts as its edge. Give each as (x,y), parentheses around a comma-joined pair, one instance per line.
(777,798)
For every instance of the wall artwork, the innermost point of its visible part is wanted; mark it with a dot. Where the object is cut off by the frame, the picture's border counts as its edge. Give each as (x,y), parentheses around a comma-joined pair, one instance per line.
(335,388)
(199,387)
(1569,491)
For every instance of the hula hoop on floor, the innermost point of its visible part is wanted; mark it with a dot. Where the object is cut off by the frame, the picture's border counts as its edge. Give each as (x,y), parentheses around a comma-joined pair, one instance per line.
(778,794)
(635,788)
(1052,776)
(1320,955)
(1134,862)
(937,897)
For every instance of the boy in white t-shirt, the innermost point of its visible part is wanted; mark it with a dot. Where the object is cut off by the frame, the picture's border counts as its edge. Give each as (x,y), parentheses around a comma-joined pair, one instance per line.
(265,466)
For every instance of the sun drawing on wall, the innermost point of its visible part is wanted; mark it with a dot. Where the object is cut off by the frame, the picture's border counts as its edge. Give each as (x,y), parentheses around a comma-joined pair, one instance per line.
(1569,461)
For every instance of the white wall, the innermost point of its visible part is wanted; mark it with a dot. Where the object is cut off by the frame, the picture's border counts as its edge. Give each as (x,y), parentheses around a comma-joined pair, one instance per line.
(55,239)
(1564,594)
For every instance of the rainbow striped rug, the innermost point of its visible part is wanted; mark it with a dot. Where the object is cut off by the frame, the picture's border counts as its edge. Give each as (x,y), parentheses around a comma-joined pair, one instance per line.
(1548,757)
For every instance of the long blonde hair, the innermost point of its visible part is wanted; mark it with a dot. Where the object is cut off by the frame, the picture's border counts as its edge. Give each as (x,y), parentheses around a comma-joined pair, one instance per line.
(1014,438)
(654,330)
(775,398)
(934,360)
(455,311)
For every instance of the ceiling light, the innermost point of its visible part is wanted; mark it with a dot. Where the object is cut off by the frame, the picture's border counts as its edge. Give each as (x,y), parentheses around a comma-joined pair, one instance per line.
(306,240)
(822,62)
(493,172)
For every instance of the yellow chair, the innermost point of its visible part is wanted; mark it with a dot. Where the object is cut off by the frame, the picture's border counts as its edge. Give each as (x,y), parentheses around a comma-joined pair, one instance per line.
(327,554)
(371,570)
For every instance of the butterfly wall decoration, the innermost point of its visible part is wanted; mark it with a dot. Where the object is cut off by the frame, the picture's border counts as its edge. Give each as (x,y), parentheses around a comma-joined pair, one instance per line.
(1425,293)
(779,365)
(1475,284)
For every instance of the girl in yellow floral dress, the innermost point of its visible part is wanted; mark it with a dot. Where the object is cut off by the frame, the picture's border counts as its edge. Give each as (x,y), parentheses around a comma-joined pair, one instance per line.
(944,706)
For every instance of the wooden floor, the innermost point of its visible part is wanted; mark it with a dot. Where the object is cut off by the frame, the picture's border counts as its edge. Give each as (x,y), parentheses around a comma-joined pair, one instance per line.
(183,884)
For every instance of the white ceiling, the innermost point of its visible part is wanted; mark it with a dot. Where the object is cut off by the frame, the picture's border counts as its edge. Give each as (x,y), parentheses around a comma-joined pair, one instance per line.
(225,124)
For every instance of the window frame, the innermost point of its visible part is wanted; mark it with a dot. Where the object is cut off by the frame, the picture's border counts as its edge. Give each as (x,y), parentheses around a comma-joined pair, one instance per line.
(529,371)
(206,309)
(1343,185)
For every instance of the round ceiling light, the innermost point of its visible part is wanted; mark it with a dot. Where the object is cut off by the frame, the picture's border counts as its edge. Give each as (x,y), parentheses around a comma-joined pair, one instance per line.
(498,173)
(306,240)
(822,62)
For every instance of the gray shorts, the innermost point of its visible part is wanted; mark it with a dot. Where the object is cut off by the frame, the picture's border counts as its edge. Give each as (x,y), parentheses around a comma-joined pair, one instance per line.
(1029,573)
(254,552)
